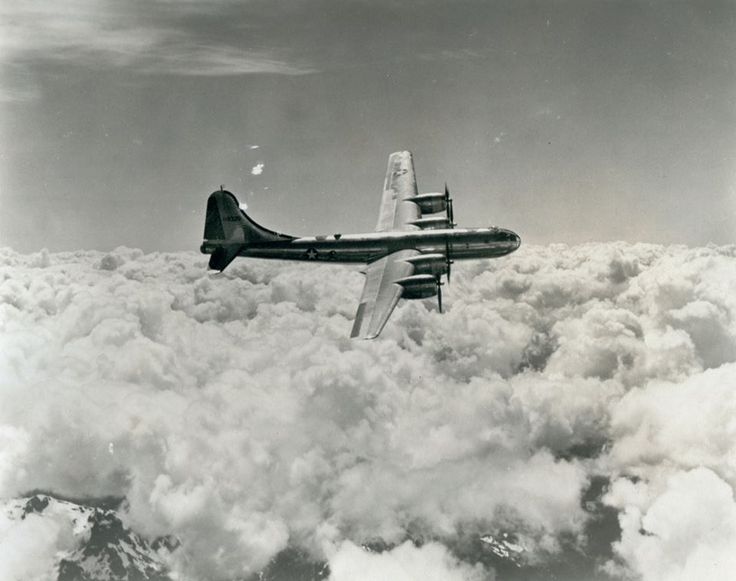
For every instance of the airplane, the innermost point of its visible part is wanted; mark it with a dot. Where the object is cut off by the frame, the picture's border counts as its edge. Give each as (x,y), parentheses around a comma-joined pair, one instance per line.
(407,255)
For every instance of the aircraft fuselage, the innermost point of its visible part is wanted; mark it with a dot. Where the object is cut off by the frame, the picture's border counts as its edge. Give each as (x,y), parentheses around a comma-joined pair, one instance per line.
(457,244)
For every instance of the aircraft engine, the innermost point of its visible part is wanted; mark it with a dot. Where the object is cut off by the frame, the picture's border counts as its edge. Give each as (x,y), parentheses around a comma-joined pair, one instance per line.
(430,203)
(418,286)
(438,223)
(434,264)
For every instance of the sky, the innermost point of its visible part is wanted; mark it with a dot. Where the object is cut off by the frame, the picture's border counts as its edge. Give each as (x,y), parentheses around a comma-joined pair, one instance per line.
(567,121)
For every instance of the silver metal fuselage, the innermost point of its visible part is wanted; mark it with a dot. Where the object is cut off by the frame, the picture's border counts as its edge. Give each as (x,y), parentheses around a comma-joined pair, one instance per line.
(456,244)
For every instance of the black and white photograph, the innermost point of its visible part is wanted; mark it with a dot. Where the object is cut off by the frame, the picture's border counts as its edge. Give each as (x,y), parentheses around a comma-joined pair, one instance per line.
(349,290)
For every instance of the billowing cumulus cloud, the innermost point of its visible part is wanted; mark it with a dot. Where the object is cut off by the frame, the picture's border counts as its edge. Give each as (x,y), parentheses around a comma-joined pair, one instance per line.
(233,412)
(680,529)
(406,562)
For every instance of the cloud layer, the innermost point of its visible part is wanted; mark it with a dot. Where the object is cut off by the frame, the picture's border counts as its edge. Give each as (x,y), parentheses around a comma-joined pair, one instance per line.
(233,412)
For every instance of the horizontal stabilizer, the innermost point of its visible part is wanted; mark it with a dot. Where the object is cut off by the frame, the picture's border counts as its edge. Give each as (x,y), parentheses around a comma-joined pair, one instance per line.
(224,255)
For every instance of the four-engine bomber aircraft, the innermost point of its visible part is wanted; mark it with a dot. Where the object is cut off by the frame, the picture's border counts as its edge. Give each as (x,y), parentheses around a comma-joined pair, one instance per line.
(406,255)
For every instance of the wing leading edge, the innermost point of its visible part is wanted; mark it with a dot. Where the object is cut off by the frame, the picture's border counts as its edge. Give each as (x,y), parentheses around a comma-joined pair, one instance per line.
(381,293)
(397,210)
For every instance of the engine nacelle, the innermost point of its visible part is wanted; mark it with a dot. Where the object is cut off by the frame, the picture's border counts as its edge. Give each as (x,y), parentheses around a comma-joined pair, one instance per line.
(433,264)
(418,286)
(430,203)
(438,223)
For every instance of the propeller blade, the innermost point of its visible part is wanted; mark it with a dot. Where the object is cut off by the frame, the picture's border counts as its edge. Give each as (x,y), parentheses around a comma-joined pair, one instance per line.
(448,204)
(439,294)
(447,258)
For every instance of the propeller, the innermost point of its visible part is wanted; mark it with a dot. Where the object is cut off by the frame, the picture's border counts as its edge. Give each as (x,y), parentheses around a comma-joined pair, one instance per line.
(439,293)
(451,223)
(447,257)
(448,205)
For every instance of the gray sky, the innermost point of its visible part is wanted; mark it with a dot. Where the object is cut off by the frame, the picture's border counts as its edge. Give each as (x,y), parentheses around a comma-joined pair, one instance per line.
(566,121)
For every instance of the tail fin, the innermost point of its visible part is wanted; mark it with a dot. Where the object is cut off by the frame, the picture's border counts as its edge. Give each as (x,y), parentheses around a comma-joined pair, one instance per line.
(228,230)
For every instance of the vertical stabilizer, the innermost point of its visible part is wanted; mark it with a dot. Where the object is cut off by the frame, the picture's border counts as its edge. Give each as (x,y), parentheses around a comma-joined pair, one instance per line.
(228,230)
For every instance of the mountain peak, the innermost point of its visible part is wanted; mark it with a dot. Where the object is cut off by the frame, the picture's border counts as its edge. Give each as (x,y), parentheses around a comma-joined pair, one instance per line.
(105,549)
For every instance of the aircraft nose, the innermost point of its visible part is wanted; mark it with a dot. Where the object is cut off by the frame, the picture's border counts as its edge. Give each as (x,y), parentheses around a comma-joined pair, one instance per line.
(513,240)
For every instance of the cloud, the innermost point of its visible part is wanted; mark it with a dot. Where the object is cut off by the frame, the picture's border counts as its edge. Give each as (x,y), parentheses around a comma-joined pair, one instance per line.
(29,546)
(213,60)
(257,169)
(243,420)
(155,38)
(685,530)
(678,424)
(404,563)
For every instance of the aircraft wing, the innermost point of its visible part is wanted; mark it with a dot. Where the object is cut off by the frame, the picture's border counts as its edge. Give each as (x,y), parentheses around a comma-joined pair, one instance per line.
(381,293)
(400,185)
